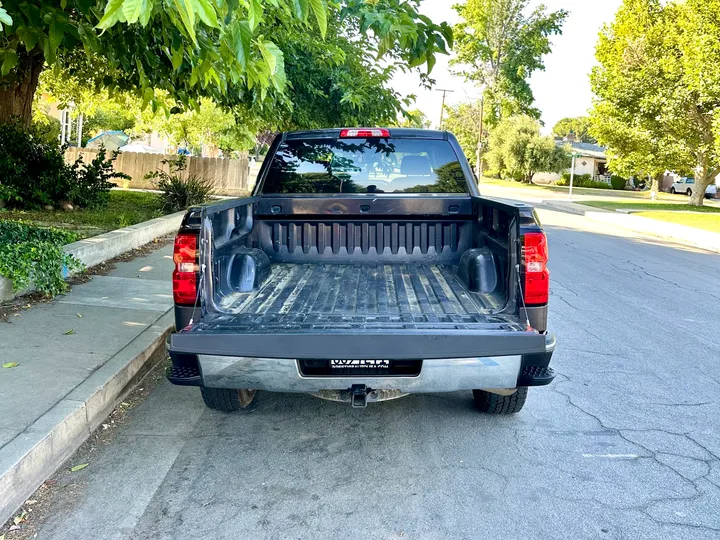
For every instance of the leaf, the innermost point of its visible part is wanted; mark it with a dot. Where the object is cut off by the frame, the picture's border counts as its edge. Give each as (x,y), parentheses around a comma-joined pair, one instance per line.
(430,62)
(132,9)
(5,19)
(9,62)
(80,467)
(69,332)
(147,12)
(10,365)
(301,9)
(242,37)
(274,58)
(255,11)
(28,36)
(177,57)
(112,14)
(79,315)
(207,13)
(319,8)
(187,14)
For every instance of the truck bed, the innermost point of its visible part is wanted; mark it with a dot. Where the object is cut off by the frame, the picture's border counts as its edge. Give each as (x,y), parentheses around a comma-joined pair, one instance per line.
(364,296)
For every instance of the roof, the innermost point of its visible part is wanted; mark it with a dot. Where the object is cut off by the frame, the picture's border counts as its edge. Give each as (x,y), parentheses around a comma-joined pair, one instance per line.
(334,133)
(585,149)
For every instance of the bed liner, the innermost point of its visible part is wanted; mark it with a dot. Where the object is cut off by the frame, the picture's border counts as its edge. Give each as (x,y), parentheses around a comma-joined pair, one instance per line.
(350,295)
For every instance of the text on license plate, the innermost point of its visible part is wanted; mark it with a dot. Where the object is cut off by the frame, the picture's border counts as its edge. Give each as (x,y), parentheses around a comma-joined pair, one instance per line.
(360,364)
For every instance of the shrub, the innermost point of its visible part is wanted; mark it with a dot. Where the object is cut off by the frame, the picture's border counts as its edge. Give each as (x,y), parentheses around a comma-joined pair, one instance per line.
(35,254)
(178,193)
(32,170)
(617,182)
(91,184)
(582,180)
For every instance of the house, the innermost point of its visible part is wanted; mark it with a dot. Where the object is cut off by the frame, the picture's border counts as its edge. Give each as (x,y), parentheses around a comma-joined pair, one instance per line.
(590,159)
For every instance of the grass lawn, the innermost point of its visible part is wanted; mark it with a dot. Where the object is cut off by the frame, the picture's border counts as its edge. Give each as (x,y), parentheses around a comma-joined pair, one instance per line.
(708,221)
(651,206)
(125,208)
(702,217)
(576,190)
(506,183)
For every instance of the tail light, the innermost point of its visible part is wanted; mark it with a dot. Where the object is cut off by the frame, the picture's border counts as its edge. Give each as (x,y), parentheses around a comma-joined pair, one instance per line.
(364,133)
(537,276)
(185,275)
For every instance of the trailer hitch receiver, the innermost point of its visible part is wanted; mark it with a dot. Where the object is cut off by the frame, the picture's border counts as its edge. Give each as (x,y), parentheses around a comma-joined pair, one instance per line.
(358,396)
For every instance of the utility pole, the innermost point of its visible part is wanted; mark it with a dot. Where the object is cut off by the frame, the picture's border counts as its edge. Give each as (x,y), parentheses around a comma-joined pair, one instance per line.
(442,107)
(572,174)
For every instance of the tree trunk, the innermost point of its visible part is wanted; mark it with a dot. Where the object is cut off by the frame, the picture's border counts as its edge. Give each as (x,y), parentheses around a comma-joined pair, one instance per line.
(702,181)
(655,182)
(17,89)
(704,176)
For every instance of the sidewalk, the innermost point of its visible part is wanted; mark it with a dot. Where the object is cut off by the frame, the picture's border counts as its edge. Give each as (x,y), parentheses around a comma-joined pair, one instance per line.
(76,356)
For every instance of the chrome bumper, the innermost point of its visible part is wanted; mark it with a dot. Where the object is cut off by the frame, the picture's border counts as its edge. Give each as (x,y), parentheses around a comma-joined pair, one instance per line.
(283,375)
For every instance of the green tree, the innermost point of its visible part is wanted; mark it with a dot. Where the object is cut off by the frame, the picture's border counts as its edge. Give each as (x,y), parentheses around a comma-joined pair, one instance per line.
(188,49)
(518,151)
(463,121)
(658,89)
(334,82)
(578,126)
(413,118)
(499,44)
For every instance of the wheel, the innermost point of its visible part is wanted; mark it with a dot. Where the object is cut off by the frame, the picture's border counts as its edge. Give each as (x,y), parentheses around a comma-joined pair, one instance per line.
(490,403)
(689,192)
(225,399)
(672,190)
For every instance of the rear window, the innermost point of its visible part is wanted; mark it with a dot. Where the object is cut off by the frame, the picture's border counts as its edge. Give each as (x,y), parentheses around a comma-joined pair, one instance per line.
(365,166)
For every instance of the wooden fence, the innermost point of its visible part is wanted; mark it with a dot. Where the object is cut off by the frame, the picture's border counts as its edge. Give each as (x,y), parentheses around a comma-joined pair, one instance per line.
(229,176)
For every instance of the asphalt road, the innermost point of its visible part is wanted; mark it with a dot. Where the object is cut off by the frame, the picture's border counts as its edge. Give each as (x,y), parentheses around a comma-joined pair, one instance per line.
(625,443)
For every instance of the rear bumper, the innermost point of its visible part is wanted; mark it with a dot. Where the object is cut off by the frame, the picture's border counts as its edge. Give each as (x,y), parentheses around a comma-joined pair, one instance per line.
(436,375)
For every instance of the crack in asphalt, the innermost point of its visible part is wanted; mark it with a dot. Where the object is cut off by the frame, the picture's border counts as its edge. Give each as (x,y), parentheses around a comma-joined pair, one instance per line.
(653,455)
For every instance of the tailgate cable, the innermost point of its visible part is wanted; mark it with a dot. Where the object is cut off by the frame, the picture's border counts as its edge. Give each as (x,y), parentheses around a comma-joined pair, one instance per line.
(522,296)
(197,297)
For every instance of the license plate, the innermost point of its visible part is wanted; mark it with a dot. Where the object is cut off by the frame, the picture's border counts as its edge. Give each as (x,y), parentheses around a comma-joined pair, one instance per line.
(359,364)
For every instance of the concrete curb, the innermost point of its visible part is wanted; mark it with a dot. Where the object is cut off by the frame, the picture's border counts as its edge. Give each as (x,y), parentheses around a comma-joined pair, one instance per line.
(36,453)
(565,206)
(97,249)
(681,234)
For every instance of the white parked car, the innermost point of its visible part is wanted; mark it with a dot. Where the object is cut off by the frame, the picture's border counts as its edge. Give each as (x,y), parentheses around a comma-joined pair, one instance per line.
(687,186)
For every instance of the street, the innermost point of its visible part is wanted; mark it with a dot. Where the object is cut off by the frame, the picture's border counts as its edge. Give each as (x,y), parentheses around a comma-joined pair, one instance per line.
(625,443)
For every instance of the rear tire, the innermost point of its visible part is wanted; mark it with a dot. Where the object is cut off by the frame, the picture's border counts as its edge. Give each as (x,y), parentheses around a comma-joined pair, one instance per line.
(672,190)
(225,399)
(689,192)
(490,403)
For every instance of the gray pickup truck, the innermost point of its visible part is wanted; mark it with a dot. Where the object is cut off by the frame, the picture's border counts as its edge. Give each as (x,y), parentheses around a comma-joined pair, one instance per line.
(365,266)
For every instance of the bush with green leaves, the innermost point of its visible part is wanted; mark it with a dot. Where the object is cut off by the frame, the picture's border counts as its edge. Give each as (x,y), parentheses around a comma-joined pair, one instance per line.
(618,182)
(32,170)
(179,193)
(582,180)
(30,254)
(91,183)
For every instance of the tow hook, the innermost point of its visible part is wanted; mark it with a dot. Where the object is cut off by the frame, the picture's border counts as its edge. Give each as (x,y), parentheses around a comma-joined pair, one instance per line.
(358,396)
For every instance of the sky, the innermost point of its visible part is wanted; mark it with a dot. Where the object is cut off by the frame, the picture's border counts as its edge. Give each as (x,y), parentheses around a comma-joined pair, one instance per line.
(563,89)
